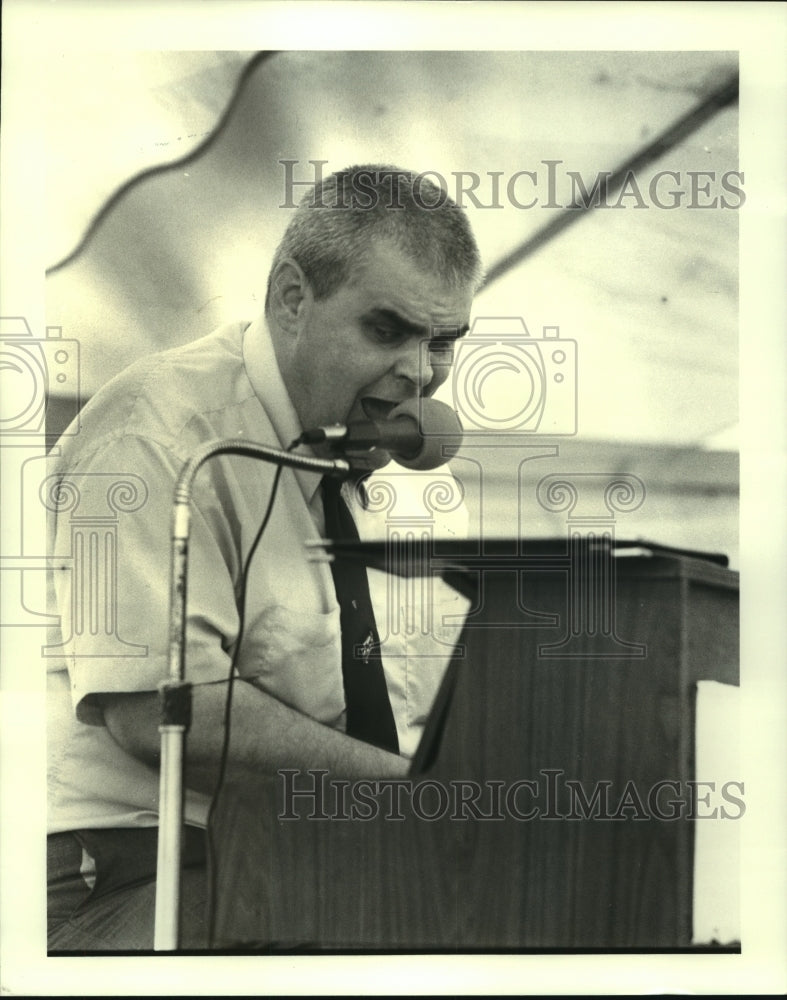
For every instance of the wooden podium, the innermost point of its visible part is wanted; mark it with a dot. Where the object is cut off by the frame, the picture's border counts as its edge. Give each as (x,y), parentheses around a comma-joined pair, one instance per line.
(550,803)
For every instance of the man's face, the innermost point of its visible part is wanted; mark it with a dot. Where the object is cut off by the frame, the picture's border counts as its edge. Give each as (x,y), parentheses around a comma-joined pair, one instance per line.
(384,336)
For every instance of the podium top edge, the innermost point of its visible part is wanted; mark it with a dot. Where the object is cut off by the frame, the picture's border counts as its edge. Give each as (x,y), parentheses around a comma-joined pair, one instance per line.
(409,553)
(514,546)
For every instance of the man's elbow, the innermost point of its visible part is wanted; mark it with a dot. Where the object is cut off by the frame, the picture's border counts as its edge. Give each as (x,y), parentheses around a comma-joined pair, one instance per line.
(132,722)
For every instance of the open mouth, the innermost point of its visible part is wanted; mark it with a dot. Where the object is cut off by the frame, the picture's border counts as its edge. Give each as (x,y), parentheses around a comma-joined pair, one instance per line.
(377,409)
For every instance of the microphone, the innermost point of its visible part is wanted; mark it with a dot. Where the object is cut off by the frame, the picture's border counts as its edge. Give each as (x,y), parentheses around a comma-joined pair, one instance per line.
(419,433)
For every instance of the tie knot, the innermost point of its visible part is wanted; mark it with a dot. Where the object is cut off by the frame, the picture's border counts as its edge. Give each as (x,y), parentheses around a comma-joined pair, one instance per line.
(332,490)
(339,523)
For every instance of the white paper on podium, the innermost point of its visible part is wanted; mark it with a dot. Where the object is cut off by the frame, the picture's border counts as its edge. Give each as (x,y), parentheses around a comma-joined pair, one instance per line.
(717,833)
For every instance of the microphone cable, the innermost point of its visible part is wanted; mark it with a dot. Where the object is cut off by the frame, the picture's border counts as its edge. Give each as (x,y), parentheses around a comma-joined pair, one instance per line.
(210,843)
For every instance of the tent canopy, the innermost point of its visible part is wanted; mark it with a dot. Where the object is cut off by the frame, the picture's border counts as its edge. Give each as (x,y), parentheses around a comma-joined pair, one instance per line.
(165,206)
(647,292)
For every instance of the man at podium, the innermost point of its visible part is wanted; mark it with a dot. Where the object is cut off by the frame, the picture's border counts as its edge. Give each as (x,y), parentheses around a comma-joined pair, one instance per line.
(372,282)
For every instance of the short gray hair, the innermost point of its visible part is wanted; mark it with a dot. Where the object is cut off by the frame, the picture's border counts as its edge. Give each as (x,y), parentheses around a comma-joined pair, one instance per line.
(336,222)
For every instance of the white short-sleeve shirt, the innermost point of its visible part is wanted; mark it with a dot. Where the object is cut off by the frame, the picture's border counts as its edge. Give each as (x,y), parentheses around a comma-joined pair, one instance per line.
(110,492)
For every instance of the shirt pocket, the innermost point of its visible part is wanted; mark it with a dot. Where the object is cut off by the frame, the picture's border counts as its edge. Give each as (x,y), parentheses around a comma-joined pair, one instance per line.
(295,655)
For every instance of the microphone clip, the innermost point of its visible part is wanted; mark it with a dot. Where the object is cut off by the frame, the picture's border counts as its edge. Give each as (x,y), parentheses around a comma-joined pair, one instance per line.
(333,433)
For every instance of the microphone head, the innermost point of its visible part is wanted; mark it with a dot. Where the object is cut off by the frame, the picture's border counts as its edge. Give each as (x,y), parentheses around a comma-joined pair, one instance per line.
(439,427)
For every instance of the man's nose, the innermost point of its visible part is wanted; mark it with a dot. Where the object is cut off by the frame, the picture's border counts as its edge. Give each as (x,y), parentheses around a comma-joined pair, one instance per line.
(414,363)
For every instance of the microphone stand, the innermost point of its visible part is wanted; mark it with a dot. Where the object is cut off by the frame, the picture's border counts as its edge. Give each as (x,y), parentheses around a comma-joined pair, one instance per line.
(176,692)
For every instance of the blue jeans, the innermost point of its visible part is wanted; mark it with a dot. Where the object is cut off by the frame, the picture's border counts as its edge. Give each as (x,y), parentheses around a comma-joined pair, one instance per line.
(113,909)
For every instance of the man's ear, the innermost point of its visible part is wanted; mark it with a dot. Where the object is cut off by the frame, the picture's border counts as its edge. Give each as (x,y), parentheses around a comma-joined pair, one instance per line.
(289,294)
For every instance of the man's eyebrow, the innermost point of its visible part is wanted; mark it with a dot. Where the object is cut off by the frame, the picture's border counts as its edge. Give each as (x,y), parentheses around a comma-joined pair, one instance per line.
(394,318)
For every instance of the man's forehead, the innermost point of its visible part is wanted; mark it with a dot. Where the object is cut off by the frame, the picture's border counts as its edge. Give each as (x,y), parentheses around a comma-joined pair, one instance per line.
(385,256)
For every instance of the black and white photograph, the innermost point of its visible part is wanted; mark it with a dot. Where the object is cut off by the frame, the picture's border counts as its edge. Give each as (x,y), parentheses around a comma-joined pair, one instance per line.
(394,465)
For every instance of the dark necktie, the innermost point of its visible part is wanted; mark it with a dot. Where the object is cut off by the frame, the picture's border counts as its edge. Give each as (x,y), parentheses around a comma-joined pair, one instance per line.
(369,714)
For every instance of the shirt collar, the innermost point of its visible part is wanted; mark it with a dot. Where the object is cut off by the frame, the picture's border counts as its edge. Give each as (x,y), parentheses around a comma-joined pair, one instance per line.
(263,371)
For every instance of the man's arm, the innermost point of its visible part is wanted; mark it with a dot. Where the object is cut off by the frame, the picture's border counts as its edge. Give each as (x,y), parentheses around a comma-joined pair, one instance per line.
(266,735)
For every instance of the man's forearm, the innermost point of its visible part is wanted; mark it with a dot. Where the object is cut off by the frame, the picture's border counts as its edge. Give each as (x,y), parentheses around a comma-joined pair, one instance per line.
(266,735)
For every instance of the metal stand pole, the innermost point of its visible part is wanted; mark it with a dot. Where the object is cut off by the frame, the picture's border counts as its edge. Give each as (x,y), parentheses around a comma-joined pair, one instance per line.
(176,693)
(166,935)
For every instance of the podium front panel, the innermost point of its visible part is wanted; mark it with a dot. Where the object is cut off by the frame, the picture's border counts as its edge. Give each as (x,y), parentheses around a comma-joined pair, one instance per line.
(550,803)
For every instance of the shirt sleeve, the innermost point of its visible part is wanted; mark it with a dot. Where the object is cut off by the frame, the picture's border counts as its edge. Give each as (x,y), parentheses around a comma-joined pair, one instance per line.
(111,567)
